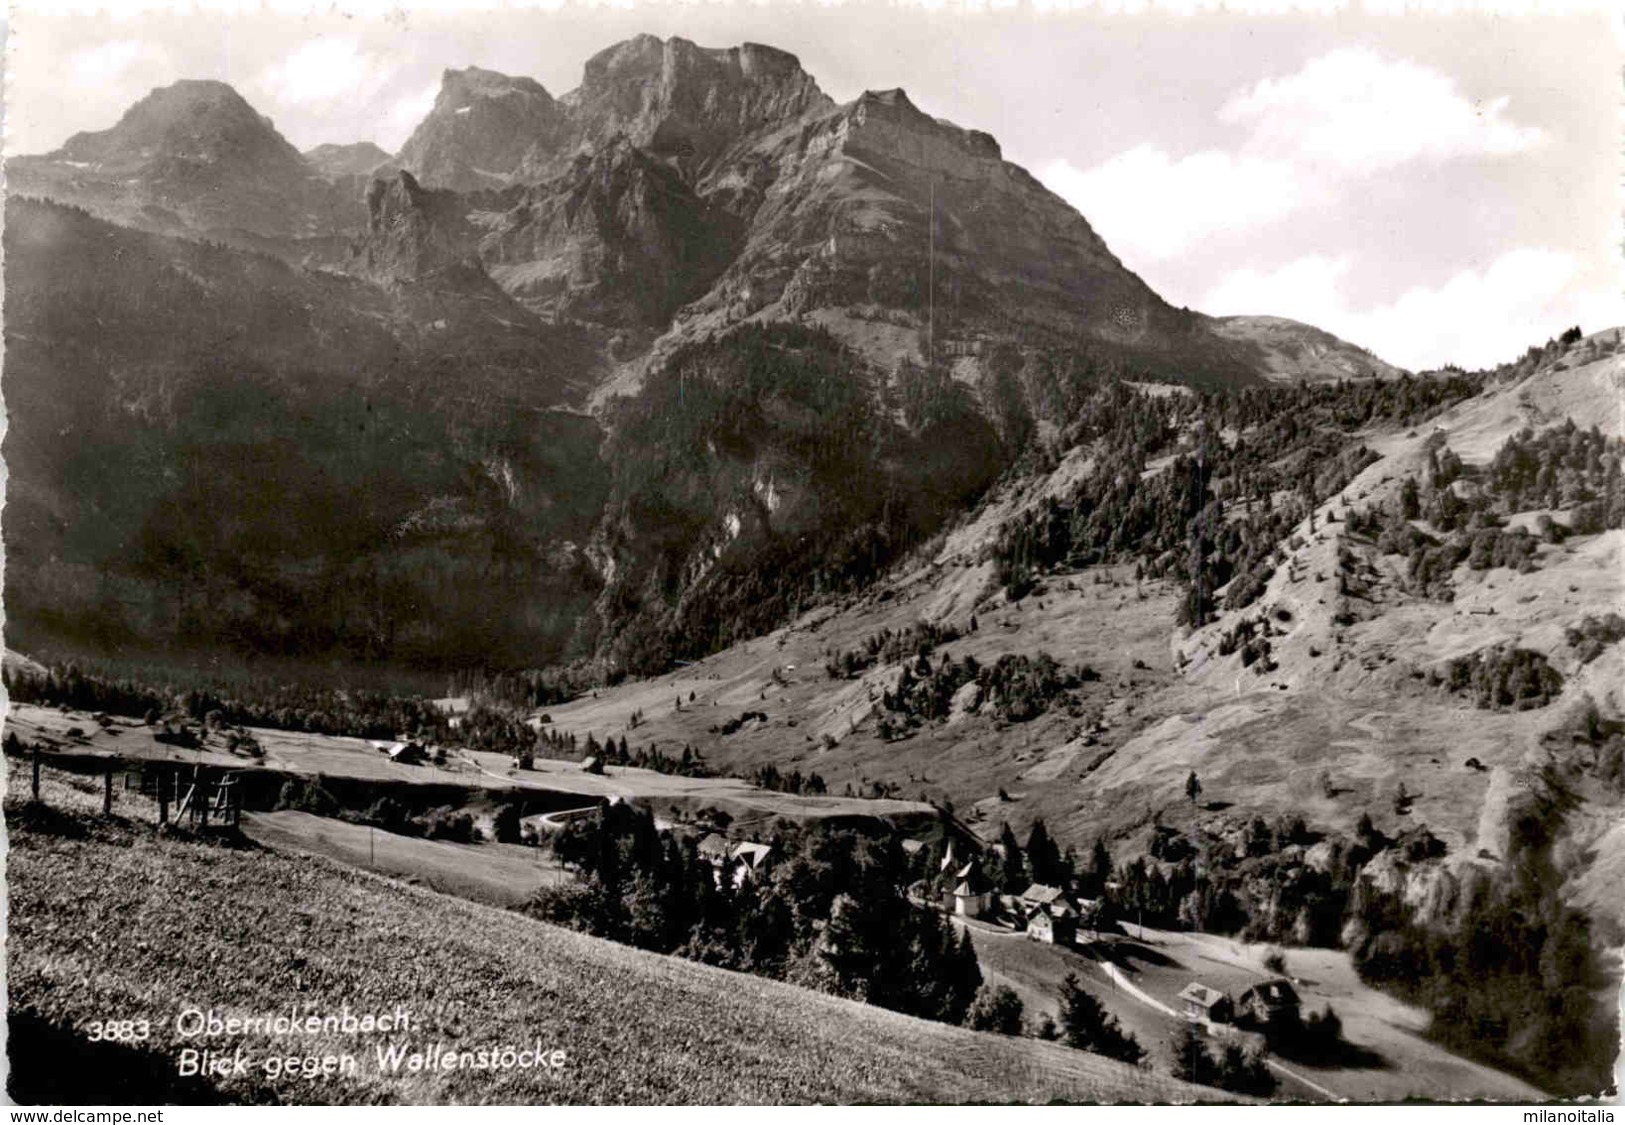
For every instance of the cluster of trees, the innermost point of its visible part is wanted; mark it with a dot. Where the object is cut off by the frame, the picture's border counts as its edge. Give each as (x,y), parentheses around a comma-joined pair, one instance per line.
(1562,466)
(770,777)
(737,723)
(527,688)
(1252,637)
(155,696)
(1502,676)
(997,1008)
(1476,538)
(1429,568)
(1253,882)
(1234,1067)
(829,913)
(443,822)
(924,694)
(1087,1026)
(1606,737)
(1013,868)
(1248,467)
(684,763)
(1510,977)
(889,647)
(1534,357)
(505,730)
(1594,634)
(1015,688)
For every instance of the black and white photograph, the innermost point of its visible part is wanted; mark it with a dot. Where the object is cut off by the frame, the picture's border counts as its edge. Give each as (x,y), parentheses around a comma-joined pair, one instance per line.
(1001,554)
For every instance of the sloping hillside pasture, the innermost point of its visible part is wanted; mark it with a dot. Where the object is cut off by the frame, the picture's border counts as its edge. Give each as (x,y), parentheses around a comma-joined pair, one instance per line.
(1100,618)
(497,874)
(110,920)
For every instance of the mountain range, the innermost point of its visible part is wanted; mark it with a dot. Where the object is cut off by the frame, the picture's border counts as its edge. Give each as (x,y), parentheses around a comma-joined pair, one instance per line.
(187,286)
(678,190)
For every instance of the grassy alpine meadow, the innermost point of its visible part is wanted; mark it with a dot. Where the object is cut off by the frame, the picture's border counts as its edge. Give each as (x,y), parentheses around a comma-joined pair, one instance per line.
(116,930)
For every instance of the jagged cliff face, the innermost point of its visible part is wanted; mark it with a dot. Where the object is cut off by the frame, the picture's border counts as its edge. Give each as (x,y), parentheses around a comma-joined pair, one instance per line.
(485,130)
(414,234)
(688,104)
(619,238)
(594,207)
(681,190)
(682,104)
(863,205)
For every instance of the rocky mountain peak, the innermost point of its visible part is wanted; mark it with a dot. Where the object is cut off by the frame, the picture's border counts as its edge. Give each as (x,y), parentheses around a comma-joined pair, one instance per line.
(414,232)
(195,157)
(193,119)
(682,103)
(485,128)
(689,103)
(892,114)
(464,87)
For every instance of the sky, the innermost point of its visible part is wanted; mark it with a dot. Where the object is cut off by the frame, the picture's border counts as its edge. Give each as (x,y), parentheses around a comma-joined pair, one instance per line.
(1438,188)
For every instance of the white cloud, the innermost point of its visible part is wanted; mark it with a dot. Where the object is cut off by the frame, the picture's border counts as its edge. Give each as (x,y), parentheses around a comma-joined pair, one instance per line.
(56,93)
(1356,111)
(107,64)
(1476,318)
(406,115)
(1147,204)
(325,70)
(1305,289)
(1343,115)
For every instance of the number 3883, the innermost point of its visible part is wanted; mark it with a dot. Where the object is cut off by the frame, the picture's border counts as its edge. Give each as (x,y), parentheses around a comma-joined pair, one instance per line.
(118,1031)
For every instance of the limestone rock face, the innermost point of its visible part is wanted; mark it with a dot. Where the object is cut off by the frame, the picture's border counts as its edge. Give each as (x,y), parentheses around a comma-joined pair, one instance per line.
(877,203)
(618,238)
(965,703)
(689,104)
(681,190)
(484,131)
(589,206)
(414,234)
(681,103)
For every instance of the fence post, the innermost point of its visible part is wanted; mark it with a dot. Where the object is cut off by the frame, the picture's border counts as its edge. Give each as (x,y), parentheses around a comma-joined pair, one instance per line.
(36,771)
(107,790)
(163,799)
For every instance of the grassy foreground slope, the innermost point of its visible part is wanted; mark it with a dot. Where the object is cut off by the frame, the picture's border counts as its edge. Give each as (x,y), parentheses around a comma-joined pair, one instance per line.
(107,919)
